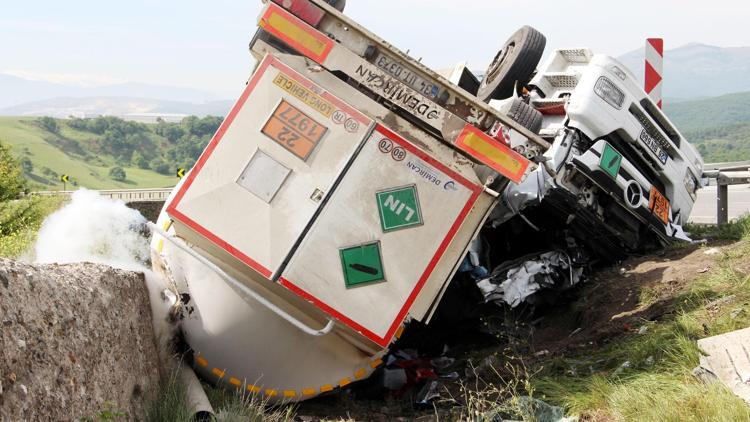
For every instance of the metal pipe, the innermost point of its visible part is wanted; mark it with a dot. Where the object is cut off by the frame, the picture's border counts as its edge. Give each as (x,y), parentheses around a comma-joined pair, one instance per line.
(241,286)
(197,400)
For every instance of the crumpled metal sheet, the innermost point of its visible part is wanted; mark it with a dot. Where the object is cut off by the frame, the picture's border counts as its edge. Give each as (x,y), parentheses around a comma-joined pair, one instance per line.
(516,197)
(514,285)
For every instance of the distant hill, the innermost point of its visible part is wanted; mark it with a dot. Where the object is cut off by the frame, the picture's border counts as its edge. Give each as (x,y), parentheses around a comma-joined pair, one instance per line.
(115,106)
(698,70)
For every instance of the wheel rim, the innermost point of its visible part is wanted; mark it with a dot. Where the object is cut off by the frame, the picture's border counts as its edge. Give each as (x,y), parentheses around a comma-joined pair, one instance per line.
(498,61)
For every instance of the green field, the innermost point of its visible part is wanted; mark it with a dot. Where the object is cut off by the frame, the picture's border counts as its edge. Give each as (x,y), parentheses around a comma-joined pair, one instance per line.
(85,169)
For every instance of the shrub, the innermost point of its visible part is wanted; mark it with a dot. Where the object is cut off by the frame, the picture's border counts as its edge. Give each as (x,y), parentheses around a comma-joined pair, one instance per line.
(11,175)
(118,174)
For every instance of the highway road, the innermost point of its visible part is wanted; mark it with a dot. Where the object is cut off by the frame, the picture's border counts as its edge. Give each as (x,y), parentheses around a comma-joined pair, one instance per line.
(704,210)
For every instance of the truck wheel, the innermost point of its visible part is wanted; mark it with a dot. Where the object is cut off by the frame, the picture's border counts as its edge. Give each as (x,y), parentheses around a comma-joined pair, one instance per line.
(514,63)
(526,115)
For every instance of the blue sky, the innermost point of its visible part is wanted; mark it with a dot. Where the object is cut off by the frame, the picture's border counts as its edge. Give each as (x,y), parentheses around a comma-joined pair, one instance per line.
(203,44)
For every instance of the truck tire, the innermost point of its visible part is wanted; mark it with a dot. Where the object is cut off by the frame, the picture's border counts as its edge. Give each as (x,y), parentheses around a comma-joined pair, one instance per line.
(526,115)
(513,65)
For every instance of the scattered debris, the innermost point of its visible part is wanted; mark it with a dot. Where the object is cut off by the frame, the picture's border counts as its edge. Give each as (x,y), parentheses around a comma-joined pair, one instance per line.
(515,281)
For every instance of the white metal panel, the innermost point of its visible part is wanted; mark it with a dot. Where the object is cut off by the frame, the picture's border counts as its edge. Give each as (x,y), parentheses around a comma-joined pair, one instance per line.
(213,204)
(409,254)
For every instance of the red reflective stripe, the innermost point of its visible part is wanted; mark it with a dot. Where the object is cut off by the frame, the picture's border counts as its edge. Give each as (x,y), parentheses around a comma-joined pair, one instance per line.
(652,77)
(658,44)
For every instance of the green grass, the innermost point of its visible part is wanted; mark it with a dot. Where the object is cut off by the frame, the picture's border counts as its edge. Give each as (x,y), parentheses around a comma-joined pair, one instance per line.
(735,230)
(656,382)
(50,151)
(20,221)
(170,404)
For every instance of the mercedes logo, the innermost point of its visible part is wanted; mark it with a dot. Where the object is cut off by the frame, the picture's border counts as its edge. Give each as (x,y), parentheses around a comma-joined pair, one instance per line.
(633,194)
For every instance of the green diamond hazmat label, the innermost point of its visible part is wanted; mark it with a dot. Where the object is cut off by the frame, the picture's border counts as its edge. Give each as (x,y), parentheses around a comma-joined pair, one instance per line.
(362,264)
(399,208)
(611,160)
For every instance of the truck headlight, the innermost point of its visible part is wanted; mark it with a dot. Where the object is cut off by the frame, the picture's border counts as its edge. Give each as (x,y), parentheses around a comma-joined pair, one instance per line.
(609,92)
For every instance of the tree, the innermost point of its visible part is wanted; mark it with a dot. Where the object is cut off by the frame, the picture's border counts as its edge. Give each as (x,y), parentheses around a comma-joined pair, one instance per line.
(49,124)
(139,160)
(11,175)
(117,173)
(97,125)
(160,167)
(77,123)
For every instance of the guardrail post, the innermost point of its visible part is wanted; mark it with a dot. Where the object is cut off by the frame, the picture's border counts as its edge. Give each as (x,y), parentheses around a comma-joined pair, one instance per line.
(722,204)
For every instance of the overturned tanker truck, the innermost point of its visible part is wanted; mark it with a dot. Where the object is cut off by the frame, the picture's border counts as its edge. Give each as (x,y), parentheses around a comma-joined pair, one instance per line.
(350,184)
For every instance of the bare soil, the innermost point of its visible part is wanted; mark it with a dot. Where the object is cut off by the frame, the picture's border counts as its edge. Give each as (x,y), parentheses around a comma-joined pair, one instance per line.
(610,303)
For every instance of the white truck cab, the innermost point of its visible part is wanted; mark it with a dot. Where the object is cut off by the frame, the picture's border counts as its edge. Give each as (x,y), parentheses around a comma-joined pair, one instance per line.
(618,179)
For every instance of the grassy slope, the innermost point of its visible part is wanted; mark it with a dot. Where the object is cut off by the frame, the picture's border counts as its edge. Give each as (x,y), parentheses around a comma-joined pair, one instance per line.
(657,384)
(29,140)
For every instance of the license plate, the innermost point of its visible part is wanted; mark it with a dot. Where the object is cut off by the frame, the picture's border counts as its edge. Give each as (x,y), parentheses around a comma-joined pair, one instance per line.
(654,146)
(659,205)
(399,71)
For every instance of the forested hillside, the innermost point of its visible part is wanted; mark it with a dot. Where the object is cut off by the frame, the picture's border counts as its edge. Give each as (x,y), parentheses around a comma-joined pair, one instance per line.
(718,126)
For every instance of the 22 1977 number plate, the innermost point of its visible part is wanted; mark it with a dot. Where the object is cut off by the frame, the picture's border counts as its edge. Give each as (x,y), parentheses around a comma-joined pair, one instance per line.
(294,130)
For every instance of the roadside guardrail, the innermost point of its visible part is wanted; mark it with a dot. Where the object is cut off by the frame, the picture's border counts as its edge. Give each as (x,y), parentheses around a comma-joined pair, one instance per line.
(126,195)
(727,173)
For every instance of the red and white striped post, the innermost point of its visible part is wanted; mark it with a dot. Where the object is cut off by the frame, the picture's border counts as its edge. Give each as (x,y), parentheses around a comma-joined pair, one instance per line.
(654,69)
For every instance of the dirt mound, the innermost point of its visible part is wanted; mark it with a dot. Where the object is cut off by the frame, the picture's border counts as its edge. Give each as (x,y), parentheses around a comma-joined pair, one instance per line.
(613,301)
(77,342)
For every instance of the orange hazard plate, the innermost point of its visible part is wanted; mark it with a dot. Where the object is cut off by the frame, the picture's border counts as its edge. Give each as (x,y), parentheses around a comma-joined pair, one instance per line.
(659,205)
(294,130)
